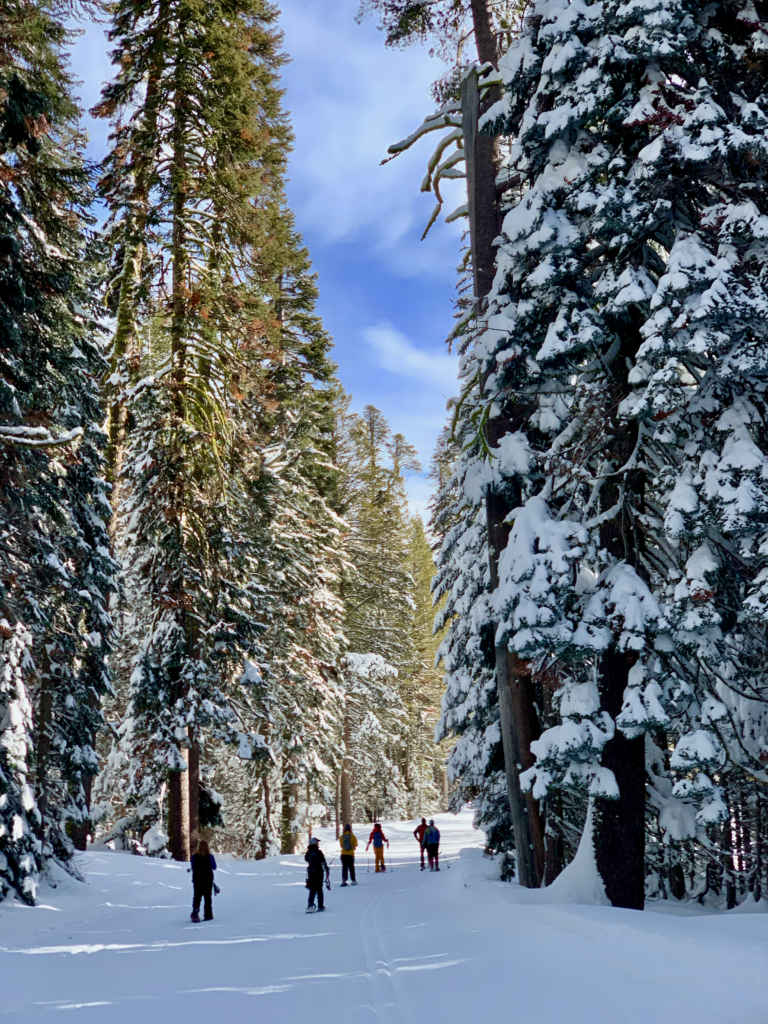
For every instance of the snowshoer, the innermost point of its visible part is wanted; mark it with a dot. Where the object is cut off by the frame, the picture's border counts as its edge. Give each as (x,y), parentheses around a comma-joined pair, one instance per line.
(378,839)
(348,843)
(431,844)
(203,865)
(317,873)
(418,834)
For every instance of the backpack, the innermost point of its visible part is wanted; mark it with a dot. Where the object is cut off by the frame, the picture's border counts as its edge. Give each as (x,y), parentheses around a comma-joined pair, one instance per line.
(313,860)
(346,842)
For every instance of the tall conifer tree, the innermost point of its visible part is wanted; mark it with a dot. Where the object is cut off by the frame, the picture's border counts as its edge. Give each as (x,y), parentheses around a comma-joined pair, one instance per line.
(55,568)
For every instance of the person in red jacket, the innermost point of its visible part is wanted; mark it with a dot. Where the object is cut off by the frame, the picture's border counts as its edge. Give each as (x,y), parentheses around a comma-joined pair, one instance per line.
(378,839)
(418,834)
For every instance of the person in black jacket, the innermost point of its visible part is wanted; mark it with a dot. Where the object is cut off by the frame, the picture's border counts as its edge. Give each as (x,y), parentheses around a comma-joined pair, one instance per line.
(317,872)
(203,865)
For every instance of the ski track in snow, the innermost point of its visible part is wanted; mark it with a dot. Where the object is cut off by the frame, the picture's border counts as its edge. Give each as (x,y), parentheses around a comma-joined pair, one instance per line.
(404,947)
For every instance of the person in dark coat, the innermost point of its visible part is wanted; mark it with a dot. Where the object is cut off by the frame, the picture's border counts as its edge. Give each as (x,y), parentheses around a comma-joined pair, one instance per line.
(203,865)
(317,872)
(431,844)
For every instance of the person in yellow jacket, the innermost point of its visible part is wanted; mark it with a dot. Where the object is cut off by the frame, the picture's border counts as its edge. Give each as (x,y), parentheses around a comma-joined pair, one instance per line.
(348,844)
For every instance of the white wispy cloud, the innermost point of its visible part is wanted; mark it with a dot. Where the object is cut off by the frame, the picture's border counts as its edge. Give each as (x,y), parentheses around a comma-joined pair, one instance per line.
(396,353)
(349,99)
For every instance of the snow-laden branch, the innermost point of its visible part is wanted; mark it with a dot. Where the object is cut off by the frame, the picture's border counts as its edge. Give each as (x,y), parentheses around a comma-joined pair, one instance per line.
(37,437)
(448,117)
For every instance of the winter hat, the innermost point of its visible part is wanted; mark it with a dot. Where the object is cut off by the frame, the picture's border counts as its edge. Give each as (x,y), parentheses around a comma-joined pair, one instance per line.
(313,841)
(347,828)
(431,821)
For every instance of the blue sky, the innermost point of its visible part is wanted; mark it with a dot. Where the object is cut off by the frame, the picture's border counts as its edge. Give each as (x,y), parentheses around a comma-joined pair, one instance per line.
(385,296)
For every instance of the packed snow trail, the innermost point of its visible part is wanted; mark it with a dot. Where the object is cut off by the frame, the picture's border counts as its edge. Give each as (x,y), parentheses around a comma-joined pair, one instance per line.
(400,948)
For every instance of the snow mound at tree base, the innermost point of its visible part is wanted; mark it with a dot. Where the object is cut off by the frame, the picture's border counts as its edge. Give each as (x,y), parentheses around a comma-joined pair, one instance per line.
(580,882)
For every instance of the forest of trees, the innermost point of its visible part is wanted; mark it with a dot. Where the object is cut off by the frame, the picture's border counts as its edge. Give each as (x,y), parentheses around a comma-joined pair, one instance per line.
(216,611)
(215,608)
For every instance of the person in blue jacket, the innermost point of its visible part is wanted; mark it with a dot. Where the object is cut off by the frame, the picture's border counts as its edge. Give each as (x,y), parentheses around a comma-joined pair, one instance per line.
(431,843)
(203,865)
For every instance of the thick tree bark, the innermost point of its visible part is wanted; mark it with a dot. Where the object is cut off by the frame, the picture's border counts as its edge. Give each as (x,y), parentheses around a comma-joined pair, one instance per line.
(178,815)
(485,40)
(620,824)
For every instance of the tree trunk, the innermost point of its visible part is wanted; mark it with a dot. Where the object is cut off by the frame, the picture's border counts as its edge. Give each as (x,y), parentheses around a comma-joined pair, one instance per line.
(290,808)
(620,824)
(346,785)
(337,808)
(267,827)
(485,40)
(178,814)
(194,792)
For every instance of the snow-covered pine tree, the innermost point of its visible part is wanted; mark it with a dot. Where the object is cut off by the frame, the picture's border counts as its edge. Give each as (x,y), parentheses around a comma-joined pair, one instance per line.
(699,384)
(55,568)
(606,318)
(377,586)
(19,817)
(207,139)
(301,541)
(373,723)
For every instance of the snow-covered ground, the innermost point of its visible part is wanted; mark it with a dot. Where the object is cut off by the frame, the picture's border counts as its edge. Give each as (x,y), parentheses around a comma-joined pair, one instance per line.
(453,948)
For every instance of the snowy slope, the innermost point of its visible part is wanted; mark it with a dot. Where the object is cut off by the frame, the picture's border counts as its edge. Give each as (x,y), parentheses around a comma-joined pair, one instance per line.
(399,948)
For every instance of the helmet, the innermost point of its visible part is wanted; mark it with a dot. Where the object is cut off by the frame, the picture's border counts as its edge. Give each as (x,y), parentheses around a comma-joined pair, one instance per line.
(431,821)
(314,841)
